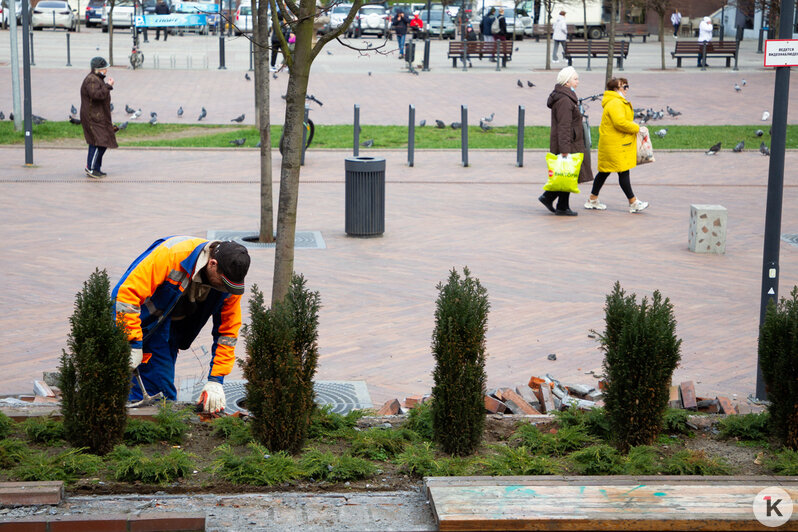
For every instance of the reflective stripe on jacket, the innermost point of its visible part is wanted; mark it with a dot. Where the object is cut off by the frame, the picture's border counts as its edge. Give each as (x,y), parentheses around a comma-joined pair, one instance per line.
(150,288)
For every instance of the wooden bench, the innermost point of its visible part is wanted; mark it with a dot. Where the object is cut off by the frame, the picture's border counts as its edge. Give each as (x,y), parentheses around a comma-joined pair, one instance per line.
(541,30)
(480,48)
(577,49)
(632,30)
(726,49)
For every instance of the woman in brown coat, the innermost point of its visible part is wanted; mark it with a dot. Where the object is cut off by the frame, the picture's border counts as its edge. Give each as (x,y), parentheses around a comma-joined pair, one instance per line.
(567,135)
(95,116)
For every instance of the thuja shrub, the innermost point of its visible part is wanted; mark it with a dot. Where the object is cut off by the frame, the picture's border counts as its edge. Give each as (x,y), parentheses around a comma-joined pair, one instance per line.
(419,420)
(131,465)
(95,372)
(778,352)
(641,352)
(458,345)
(5,426)
(282,355)
(43,430)
(235,430)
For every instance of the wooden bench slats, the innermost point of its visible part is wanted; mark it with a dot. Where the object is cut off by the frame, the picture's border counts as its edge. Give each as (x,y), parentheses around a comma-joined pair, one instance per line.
(581,49)
(632,30)
(726,49)
(541,30)
(480,48)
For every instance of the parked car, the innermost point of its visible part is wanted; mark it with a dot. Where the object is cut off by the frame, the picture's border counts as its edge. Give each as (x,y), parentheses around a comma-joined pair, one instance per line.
(17,8)
(243,19)
(337,15)
(371,20)
(149,6)
(433,24)
(94,13)
(54,14)
(124,12)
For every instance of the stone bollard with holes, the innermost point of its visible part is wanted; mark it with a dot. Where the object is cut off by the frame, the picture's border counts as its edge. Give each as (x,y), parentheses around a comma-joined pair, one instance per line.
(707,229)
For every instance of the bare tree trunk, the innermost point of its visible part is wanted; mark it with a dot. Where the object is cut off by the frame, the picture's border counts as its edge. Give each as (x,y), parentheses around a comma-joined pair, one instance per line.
(111,35)
(662,38)
(584,15)
(263,118)
(292,153)
(611,45)
(549,5)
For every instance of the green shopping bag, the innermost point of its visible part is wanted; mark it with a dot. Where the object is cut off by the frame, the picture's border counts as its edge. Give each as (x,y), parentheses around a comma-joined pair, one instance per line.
(563,172)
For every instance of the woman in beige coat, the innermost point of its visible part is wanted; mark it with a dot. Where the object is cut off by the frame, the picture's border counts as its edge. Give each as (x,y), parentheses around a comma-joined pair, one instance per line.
(617,146)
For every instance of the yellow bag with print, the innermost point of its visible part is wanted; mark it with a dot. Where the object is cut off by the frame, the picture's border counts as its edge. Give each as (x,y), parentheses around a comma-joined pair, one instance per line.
(563,172)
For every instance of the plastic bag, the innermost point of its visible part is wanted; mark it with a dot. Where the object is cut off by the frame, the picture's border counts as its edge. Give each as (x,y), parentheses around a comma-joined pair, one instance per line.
(563,172)
(645,151)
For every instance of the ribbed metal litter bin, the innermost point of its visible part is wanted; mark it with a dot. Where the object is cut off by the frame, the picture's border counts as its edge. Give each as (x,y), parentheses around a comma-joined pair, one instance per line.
(365,196)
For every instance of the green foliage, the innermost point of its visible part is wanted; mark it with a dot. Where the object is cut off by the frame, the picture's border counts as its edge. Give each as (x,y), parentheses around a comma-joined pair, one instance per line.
(675,421)
(566,439)
(517,461)
(689,462)
(258,468)
(785,462)
(131,465)
(326,424)
(66,466)
(12,451)
(600,459)
(233,429)
(458,345)
(641,460)
(142,432)
(747,427)
(5,426)
(282,357)
(320,465)
(778,351)
(381,444)
(418,460)
(641,352)
(43,430)
(419,420)
(594,421)
(172,422)
(95,373)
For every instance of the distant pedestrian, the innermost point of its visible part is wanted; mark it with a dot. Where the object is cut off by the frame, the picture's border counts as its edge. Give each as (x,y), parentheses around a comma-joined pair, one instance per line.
(95,116)
(416,24)
(559,35)
(400,27)
(676,21)
(486,24)
(567,135)
(704,33)
(162,9)
(276,43)
(617,146)
(502,34)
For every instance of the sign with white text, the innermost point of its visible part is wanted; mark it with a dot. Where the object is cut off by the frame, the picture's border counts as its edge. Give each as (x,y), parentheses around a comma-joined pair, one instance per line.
(170,21)
(781,52)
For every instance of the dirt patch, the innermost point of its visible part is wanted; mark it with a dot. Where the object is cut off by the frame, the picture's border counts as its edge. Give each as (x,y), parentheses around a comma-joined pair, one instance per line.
(740,458)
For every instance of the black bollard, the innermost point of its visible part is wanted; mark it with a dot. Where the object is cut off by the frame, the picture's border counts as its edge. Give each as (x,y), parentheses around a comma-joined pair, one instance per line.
(69,55)
(411,135)
(356,143)
(589,53)
(464,133)
(519,151)
(425,67)
(221,51)
(704,56)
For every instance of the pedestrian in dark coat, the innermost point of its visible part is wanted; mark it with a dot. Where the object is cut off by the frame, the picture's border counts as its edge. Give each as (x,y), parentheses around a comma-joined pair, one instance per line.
(567,135)
(95,115)
(162,9)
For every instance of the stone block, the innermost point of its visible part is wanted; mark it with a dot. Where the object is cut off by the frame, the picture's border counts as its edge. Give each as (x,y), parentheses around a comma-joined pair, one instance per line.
(726,406)
(390,408)
(31,493)
(494,406)
(688,395)
(547,400)
(516,403)
(675,399)
(529,395)
(707,229)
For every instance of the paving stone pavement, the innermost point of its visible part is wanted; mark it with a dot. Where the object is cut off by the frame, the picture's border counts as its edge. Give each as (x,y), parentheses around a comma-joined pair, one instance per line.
(546,276)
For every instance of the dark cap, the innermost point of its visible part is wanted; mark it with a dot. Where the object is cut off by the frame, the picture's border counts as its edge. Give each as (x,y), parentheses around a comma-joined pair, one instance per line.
(233,260)
(98,62)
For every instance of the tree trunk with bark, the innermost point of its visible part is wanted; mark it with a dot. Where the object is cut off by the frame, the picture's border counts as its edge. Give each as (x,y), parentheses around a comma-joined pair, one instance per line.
(111,35)
(662,38)
(263,118)
(611,40)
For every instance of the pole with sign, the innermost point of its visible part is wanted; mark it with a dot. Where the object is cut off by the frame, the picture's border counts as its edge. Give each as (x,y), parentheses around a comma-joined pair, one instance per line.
(781,54)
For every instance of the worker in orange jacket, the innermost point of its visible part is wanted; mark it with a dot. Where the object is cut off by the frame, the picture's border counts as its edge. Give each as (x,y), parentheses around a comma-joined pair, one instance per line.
(166,297)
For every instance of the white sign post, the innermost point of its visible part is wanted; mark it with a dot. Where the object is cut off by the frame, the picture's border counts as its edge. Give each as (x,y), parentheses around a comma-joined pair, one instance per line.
(781,52)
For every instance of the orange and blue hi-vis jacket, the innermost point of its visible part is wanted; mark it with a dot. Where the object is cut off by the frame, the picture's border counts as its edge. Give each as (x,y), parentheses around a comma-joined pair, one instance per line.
(148,292)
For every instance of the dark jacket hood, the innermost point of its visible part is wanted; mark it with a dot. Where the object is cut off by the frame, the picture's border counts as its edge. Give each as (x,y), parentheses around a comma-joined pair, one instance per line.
(560,91)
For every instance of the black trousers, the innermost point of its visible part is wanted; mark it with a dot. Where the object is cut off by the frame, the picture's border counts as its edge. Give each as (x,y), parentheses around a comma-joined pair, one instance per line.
(562,199)
(623,179)
(158,33)
(275,51)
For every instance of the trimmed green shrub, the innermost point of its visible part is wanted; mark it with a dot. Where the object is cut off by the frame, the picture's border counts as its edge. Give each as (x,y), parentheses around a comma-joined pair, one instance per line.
(675,421)
(785,462)
(747,427)
(566,439)
(172,422)
(641,352)
(130,465)
(282,356)
(381,444)
(5,426)
(320,465)
(458,345)
(233,429)
(142,432)
(517,461)
(258,468)
(688,462)
(95,372)
(599,459)
(12,451)
(326,424)
(419,420)
(66,466)
(778,351)
(595,421)
(43,430)
(641,460)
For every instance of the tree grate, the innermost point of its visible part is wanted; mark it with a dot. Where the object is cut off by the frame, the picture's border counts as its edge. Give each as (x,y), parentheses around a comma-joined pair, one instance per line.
(790,238)
(302,239)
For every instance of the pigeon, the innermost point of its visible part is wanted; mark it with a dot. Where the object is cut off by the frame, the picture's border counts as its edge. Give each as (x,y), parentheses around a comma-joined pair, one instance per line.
(415,72)
(516,48)
(529,83)
(180,112)
(73,110)
(246,76)
(672,112)
(238,119)
(257,145)
(440,124)
(37,120)
(129,110)
(112,107)
(737,87)
(329,52)
(73,120)
(238,142)
(422,123)
(763,149)
(739,147)
(745,83)
(369,73)
(153,114)
(2,116)
(759,133)
(135,115)
(765,116)
(488,118)
(483,126)
(713,149)
(202,115)
(520,84)
(367,143)
(11,116)
(313,99)
(154,120)
(456,125)
(274,75)
(661,133)
(122,126)
(283,96)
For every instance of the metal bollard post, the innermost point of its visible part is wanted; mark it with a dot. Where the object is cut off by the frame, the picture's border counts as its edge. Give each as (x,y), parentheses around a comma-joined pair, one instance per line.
(496,50)
(411,135)
(69,52)
(464,133)
(704,56)
(304,135)
(356,143)
(589,53)
(221,51)
(519,154)
(53,20)
(620,57)
(425,67)
(736,53)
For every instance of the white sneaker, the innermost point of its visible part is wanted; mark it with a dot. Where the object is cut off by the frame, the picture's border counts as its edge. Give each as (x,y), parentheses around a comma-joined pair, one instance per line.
(637,206)
(594,204)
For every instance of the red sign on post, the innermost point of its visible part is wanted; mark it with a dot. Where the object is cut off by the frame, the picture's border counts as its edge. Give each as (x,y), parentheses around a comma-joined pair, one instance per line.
(781,52)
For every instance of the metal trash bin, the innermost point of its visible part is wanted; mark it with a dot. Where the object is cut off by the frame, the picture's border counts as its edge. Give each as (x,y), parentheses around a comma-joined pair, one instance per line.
(365,196)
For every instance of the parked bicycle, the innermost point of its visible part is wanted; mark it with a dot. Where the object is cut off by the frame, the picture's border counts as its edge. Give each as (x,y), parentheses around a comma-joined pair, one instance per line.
(585,122)
(136,56)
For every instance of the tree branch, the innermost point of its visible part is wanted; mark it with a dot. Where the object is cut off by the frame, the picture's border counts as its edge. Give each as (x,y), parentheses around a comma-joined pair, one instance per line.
(337,33)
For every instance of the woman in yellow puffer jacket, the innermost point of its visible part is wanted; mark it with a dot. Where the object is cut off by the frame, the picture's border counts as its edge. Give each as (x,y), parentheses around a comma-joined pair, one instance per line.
(617,146)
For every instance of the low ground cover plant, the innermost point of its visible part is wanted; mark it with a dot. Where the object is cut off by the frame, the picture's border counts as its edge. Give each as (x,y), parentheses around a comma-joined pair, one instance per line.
(130,464)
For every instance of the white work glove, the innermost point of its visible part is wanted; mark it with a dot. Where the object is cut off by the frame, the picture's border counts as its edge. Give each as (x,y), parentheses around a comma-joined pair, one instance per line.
(212,397)
(136,356)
